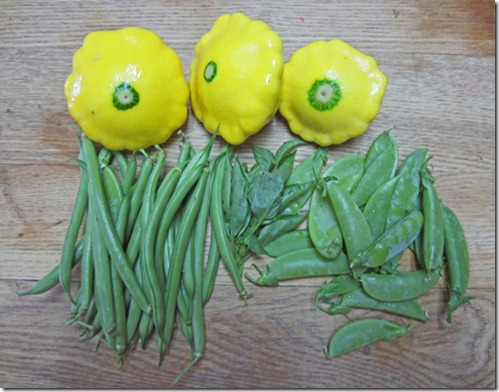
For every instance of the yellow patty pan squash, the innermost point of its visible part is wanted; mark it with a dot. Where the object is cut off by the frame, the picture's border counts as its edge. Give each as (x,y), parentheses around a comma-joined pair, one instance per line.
(127,90)
(236,76)
(330,92)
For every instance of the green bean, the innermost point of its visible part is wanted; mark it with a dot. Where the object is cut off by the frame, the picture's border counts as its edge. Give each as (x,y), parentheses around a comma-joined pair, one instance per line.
(66,261)
(103,284)
(363,332)
(86,274)
(51,279)
(353,224)
(433,226)
(324,229)
(165,192)
(392,242)
(129,174)
(218,227)
(399,287)
(111,239)
(138,192)
(113,191)
(175,270)
(377,207)
(122,161)
(458,263)
(189,177)
(146,327)
(150,221)
(199,240)
(346,171)
(357,298)
(380,165)
(210,271)
(299,264)
(288,242)
(188,270)
(406,195)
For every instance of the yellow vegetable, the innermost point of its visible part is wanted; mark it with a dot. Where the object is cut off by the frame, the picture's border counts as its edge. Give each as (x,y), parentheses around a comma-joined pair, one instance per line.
(236,77)
(127,89)
(331,92)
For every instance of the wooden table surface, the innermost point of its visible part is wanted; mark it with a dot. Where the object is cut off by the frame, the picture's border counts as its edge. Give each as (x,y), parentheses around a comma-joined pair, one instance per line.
(440,64)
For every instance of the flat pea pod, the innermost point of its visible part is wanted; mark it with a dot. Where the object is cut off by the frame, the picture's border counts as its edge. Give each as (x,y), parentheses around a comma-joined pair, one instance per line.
(80,206)
(324,229)
(289,242)
(377,207)
(363,332)
(111,238)
(406,195)
(458,262)
(357,298)
(346,171)
(392,242)
(302,263)
(380,165)
(354,228)
(398,287)
(433,226)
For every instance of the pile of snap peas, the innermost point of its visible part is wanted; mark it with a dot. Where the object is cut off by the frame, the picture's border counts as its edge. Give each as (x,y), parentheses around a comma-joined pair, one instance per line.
(364,213)
(138,233)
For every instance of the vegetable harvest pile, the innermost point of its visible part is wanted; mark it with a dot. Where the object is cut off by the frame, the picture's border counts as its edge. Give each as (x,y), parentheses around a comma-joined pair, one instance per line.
(140,224)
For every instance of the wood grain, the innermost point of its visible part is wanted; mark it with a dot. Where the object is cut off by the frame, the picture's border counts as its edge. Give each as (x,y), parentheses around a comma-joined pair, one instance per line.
(440,64)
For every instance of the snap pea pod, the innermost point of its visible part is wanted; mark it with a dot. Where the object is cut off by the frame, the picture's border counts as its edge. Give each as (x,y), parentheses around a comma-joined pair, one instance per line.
(301,182)
(433,226)
(363,332)
(323,226)
(111,239)
(398,287)
(380,165)
(174,273)
(357,298)
(66,261)
(406,195)
(377,207)
(458,263)
(346,171)
(391,243)
(299,264)
(355,230)
(339,285)
(288,242)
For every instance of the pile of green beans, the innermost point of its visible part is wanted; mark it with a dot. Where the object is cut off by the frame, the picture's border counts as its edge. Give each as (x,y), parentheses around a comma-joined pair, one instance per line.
(364,213)
(137,234)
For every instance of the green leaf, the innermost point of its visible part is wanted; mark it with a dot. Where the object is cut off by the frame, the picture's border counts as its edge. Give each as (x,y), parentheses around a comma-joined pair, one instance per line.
(287,148)
(280,226)
(254,245)
(240,213)
(263,157)
(264,192)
